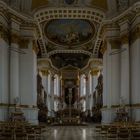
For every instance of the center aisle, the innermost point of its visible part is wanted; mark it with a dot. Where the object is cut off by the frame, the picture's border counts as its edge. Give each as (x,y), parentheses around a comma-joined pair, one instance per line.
(70,133)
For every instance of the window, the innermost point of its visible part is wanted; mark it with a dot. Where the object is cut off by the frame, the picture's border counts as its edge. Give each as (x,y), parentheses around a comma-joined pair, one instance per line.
(83,85)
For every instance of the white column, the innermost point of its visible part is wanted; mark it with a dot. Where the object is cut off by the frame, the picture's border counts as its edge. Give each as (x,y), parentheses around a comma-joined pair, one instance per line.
(14,72)
(125,70)
(111,81)
(4,80)
(28,83)
(135,78)
(106,111)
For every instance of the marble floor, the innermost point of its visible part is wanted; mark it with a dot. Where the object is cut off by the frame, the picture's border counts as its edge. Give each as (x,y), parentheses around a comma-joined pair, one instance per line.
(70,133)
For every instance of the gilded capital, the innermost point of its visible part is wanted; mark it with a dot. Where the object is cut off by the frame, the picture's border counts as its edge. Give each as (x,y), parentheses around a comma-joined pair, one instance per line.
(94,72)
(45,72)
(103,47)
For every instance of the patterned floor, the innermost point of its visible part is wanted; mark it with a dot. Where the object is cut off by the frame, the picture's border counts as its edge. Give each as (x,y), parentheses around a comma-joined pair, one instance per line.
(70,133)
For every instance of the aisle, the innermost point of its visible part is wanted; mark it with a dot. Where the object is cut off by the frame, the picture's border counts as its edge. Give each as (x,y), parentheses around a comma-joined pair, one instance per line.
(70,133)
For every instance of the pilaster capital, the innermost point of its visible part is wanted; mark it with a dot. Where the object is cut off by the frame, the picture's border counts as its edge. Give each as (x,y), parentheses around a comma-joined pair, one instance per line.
(115,43)
(124,38)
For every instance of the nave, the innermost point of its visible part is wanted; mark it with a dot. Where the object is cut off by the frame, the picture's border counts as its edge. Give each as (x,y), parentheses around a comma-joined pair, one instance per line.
(70,133)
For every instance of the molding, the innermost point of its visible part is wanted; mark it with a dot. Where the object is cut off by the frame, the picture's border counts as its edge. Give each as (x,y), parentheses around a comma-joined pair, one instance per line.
(21,106)
(68,51)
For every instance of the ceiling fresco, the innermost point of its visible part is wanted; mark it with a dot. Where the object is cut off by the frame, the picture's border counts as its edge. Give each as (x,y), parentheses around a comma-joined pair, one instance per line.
(69,32)
(61,60)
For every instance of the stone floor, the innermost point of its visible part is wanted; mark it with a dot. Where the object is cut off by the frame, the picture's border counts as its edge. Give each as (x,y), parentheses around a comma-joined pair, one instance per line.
(70,133)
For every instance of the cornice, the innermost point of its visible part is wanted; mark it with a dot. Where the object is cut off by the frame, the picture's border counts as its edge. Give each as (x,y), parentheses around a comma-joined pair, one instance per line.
(4,33)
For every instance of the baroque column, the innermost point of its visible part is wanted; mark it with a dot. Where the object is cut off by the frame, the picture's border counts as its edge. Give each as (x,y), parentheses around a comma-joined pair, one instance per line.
(111,81)
(28,81)
(4,80)
(125,73)
(125,63)
(14,69)
(135,73)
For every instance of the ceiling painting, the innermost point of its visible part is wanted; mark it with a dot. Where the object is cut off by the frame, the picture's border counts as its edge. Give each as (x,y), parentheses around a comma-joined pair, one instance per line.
(69,32)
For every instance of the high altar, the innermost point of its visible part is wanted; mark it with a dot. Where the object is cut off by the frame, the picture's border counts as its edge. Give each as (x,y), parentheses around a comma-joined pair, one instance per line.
(69,112)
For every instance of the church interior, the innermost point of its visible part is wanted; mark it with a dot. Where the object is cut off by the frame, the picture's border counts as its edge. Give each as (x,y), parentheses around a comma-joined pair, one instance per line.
(69,69)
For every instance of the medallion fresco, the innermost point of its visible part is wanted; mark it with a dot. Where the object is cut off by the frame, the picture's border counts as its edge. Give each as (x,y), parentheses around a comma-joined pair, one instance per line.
(69,32)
